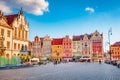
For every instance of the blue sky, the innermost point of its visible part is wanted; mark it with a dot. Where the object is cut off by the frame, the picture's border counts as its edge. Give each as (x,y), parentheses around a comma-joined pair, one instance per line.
(58,18)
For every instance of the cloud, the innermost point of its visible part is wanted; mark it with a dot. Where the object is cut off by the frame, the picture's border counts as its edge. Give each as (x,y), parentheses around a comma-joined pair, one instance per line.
(91,10)
(4,7)
(36,7)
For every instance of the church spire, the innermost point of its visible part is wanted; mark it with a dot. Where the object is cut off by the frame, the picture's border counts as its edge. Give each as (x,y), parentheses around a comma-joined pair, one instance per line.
(21,11)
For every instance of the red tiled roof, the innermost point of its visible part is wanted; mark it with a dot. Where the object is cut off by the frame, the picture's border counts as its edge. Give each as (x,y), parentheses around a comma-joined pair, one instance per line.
(101,34)
(57,41)
(116,44)
(76,38)
(10,18)
(36,38)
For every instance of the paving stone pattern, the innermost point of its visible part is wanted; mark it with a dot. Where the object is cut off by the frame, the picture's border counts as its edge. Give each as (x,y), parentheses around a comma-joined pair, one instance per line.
(64,71)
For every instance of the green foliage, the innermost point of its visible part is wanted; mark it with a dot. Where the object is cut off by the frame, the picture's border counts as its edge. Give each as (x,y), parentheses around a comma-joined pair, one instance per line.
(78,57)
(48,59)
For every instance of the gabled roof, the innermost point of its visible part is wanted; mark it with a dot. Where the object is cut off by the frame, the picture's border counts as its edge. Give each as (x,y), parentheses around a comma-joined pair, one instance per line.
(57,41)
(116,44)
(4,23)
(10,18)
(36,38)
(89,36)
(76,38)
(41,39)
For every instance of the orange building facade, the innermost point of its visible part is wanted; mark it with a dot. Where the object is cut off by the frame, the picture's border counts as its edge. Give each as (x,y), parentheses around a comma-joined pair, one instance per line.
(57,49)
(115,51)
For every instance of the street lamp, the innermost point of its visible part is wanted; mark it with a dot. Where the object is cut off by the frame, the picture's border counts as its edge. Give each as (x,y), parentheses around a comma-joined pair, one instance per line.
(109,33)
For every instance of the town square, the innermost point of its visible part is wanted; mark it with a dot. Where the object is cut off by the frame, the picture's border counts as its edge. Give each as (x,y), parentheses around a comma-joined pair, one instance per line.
(59,40)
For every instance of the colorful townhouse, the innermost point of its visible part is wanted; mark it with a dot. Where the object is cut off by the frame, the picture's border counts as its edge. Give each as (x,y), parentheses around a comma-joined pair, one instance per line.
(97,46)
(67,48)
(36,47)
(88,46)
(57,49)
(76,46)
(115,51)
(47,47)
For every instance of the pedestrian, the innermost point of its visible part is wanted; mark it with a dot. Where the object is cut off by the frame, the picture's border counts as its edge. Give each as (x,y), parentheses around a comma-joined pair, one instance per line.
(39,63)
(99,61)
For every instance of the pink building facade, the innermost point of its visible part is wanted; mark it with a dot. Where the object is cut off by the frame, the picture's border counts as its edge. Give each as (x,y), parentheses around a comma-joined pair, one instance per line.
(36,47)
(67,48)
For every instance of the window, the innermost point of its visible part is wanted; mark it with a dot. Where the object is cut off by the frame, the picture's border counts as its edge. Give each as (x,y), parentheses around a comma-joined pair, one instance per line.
(96,35)
(2,32)
(22,48)
(19,34)
(19,46)
(26,35)
(15,32)
(8,45)
(78,42)
(8,33)
(25,47)
(23,34)
(74,42)
(1,44)
(14,45)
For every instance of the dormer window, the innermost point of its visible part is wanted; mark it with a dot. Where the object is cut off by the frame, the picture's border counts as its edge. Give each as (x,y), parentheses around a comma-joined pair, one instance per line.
(96,35)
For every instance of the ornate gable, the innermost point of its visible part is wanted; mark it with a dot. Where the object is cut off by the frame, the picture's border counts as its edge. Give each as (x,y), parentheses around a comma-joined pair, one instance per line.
(47,38)
(3,21)
(96,34)
(17,20)
(85,37)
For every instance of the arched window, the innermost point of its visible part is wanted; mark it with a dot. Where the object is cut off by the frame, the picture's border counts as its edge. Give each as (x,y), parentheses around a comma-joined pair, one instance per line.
(22,48)
(15,32)
(25,47)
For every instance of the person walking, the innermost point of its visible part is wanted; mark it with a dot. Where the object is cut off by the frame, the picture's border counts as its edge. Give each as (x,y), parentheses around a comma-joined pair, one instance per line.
(99,61)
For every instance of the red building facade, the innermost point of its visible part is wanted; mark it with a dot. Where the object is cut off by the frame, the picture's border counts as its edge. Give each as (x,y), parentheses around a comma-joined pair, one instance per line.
(97,46)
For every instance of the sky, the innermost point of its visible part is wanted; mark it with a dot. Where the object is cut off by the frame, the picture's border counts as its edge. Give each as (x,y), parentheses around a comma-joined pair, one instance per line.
(58,18)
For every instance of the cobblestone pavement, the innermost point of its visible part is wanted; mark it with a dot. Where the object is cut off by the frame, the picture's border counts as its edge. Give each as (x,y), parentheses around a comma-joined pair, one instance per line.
(67,71)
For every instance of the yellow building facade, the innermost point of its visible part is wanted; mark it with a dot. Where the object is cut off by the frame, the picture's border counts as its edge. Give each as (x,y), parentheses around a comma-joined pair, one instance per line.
(5,37)
(15,31)
(57,49)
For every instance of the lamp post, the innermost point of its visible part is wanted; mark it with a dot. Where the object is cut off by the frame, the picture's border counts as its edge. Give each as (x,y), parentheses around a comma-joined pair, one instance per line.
(109,33)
